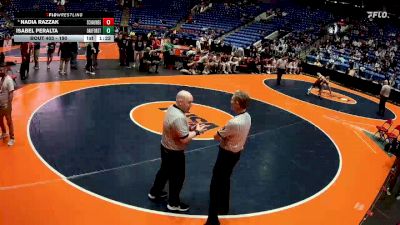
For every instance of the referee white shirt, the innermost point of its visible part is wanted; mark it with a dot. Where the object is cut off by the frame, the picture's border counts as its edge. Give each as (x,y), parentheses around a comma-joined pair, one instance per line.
(385,91)
(281,64)
(235,132)
(175,128)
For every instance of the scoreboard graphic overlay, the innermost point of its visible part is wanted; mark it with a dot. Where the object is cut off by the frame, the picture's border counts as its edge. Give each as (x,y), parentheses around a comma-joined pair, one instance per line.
(64,27)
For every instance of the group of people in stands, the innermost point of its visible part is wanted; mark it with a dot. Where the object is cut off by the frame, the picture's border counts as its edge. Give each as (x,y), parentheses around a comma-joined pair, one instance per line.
(6,24)
(374,54)
(206,57)
(234,62)
(142,51)
(218,57)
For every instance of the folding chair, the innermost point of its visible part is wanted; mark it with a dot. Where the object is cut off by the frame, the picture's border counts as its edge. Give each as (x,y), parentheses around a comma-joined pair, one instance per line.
(394,134)
(383,129)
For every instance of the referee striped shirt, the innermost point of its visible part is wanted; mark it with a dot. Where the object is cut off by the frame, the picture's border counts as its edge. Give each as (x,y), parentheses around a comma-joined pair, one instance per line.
(175,128)
(235,132)
(281,64)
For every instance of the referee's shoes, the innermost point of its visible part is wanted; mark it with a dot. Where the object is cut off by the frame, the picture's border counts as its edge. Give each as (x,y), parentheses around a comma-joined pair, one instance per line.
(182,207)
(160,196)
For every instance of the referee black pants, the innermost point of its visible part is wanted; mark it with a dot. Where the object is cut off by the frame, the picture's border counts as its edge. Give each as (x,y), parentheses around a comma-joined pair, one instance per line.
(221,184)
(24,69)
(172,170)
(382,106)
(279,76)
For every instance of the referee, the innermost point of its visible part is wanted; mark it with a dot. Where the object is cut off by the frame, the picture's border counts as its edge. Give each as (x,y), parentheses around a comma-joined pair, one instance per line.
(176,136)
(281,66)
(384,95)
(232,138)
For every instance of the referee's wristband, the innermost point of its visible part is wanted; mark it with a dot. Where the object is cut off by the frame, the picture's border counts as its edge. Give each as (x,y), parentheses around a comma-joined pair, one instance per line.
(197,132)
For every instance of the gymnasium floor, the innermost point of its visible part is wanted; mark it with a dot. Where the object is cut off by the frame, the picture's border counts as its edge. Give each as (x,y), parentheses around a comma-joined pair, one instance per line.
(87,150)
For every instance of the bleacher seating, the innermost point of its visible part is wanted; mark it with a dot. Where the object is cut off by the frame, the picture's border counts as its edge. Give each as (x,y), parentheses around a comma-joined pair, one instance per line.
(160,13)
(224,18)
(382,34)
(2,29)
(70,6)
(27,6)
(301,19)
(295,19)
(252,33)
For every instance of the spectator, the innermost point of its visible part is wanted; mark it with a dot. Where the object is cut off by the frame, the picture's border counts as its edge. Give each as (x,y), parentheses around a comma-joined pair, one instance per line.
(65,57)
(26,49)
(96,46)
(36,55)
(51,47)
(90,50)
(6,98)
(74,55)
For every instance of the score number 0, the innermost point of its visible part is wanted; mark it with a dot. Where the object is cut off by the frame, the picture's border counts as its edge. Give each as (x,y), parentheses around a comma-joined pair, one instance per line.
(108,21)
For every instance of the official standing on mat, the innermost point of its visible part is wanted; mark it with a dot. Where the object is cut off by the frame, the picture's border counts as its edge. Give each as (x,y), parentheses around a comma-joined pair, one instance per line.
(232,138)
(281,66)
(176,136)
(384,95)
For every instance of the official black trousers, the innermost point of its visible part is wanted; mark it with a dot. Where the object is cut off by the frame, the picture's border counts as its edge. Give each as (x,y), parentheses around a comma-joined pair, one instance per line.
(382,104)
(221,184)
(279,76)
(172,170)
